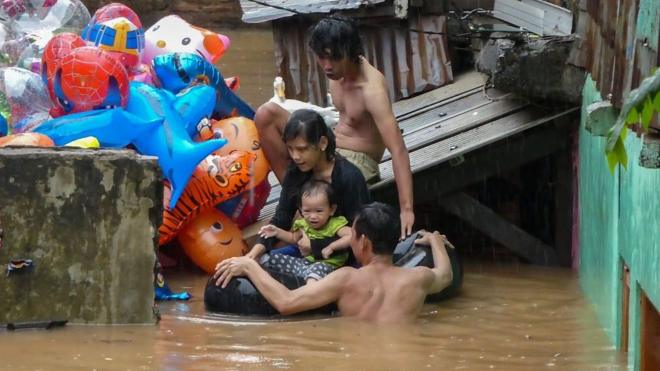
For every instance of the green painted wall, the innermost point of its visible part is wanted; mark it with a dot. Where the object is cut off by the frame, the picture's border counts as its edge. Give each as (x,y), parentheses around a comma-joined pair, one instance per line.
(619,219)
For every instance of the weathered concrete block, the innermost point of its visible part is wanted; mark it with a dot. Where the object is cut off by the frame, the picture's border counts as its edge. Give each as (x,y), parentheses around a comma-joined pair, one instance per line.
(537,70)
(88,220)
(601,117)
(649,156)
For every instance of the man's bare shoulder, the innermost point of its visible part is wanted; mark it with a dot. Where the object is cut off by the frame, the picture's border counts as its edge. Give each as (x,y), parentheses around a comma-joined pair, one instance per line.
(422,275)
(373,77)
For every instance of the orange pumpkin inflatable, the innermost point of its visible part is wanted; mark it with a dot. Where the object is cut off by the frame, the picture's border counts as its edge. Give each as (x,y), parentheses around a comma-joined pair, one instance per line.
(211,238)
(216,179)
(241,135)
(27,139)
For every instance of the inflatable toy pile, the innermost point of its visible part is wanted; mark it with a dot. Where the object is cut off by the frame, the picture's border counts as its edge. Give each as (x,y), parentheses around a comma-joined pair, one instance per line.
(68,78)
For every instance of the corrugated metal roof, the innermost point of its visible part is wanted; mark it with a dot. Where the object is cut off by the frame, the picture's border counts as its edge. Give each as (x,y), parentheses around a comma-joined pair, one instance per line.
(257,13)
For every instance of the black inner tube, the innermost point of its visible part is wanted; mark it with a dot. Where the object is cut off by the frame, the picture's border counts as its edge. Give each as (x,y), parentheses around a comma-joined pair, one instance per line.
(241,296)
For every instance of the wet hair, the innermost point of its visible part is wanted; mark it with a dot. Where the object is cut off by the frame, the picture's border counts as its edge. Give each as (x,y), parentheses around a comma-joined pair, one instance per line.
(381,225)
(314,187)
(338,34)
(310,125)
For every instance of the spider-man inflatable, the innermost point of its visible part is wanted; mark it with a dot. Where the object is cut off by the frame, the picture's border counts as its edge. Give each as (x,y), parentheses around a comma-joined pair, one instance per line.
(87,79)
(57,48)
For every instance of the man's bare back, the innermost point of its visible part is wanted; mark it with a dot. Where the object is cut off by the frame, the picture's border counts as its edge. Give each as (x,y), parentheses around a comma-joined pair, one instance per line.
(384,293)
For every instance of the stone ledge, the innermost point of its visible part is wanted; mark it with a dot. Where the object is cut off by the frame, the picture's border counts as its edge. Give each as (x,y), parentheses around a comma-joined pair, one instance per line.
(88,219)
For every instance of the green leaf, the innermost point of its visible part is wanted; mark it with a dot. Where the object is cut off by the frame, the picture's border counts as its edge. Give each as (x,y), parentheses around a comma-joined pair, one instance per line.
(656,101)
(617,156)
(612,161)
(620,150)
(647,114)
(624,133)
(633,116)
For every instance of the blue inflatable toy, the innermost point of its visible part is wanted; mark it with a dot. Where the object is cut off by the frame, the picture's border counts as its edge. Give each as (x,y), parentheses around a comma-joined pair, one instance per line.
(112,127)
(178,155)
(177,71)
(193,105)
(4,129)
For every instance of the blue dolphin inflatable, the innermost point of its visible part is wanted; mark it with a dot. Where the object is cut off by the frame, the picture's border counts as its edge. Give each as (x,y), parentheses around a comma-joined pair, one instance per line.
(112,127)
(177,71)
(178,155)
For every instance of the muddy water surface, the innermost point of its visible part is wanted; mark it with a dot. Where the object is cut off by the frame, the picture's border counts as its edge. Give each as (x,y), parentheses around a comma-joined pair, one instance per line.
(507,318)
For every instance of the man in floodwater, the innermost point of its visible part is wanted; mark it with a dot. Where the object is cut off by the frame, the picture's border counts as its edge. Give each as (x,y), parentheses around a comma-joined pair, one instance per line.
(366,126)
(378,291)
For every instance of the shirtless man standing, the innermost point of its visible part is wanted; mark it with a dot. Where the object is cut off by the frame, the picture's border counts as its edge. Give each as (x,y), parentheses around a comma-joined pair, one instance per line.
(377,292)
(366,122)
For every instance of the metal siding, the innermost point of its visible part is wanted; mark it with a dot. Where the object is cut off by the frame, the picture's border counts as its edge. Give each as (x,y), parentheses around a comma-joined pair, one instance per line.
(412,62)
(257,13)
(616,49)
(523,15)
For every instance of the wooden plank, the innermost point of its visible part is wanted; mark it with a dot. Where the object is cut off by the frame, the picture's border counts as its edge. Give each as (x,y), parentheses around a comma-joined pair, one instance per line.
(442,110)
(445,127)
(499,229)
(462,83)
(519,14)
(479,165)
(470,140)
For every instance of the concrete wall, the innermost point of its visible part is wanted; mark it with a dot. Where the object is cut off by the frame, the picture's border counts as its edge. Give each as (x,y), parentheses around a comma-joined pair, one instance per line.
(619,219)
(88,220)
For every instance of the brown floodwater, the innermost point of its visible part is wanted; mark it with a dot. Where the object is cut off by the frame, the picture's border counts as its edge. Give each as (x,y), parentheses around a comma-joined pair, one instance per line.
(250,57)
(507,318)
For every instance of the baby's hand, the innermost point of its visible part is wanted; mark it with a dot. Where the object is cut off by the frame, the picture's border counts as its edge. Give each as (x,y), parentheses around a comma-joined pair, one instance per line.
(326,252)
(268,231)
(304,244)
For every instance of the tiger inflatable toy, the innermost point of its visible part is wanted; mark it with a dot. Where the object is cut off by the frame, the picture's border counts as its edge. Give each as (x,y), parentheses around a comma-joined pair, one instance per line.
(216,179)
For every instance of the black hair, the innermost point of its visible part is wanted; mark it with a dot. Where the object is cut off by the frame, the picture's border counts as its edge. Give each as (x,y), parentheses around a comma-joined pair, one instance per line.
(381,225)
(310,125)
(315,186)
(338,34)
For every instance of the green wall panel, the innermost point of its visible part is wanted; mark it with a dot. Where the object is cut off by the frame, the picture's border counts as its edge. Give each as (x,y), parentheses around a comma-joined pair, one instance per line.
(619,220)
(598,192)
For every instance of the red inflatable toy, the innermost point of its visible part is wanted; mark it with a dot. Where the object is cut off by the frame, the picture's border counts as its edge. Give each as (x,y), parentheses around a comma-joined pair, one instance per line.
(89,78)
(55,50)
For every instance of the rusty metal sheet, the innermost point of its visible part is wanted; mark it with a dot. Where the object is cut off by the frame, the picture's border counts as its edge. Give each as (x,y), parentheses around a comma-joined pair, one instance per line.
(616,50)
(412,62)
